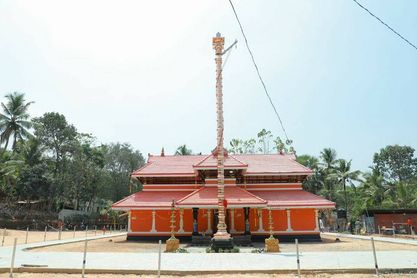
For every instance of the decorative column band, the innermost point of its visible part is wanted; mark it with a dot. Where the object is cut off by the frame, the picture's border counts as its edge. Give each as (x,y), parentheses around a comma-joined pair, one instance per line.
(181,230)
(289,228)
(129,220)
(153,230)
(209,230)
(232,221)
(261,224)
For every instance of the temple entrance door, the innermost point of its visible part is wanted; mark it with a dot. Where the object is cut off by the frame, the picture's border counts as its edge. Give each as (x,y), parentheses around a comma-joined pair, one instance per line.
(215,221)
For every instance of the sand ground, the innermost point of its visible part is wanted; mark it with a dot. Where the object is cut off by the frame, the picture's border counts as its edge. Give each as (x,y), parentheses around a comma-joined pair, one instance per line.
(119,244)
(38,236)
(254,275)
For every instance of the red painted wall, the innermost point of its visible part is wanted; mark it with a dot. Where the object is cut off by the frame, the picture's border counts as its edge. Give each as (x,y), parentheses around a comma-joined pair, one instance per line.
(303,219)
(387,219)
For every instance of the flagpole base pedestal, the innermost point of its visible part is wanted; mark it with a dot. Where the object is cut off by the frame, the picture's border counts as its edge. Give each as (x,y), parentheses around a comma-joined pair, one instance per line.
(221,241)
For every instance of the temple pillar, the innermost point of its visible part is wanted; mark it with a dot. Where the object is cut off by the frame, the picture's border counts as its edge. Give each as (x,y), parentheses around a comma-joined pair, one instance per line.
(261,224)
(153,230)
(232,221)
(209,230)
(129,219)
(195,221)
(316,215)
(289,228)
(247,224)
(181,230)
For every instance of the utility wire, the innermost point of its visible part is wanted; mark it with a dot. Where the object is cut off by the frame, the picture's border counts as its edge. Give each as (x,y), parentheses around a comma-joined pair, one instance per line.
(259,75)
(386,25)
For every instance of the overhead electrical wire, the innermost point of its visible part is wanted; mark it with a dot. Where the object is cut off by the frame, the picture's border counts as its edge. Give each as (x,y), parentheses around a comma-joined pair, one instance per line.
(385,24)
(259,75)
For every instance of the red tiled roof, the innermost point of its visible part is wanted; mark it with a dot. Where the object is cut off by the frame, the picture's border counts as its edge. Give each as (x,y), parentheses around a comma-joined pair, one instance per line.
(207,196)
(235,196)
(150,199)
(169,165)
(257,164)
(272,164)
(293,198)
(229,162)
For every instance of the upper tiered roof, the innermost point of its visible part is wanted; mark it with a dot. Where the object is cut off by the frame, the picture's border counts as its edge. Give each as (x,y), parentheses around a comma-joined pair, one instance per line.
(252,164)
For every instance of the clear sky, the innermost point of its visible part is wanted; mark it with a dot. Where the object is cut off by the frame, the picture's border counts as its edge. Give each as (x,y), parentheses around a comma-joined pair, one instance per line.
(143,71)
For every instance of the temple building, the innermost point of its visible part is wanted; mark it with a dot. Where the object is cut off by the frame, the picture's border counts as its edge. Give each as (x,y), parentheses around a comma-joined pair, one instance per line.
(228,196)
(254,184)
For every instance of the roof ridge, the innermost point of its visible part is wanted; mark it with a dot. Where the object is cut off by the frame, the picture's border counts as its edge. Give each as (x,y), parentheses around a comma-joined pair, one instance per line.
(201,161)
(232,156)
(143,167)
(253,195)
(177,155)
(125,198)
(298,163)
(189,195)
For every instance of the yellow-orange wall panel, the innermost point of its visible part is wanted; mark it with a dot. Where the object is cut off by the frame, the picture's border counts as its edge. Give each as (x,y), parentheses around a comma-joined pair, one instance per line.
(141,220)
(253,219)
(279,218)
(202,220)
(188,220)
(239,220)
(303,219)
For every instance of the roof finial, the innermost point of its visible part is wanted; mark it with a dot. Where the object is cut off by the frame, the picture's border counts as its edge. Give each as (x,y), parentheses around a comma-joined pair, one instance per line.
(162,152)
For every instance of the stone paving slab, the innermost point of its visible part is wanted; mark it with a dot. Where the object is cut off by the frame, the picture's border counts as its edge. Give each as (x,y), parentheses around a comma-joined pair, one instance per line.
(204,262)
(376,238)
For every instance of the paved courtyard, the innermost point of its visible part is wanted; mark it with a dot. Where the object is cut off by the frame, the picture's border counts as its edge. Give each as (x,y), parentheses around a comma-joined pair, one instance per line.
(204,262)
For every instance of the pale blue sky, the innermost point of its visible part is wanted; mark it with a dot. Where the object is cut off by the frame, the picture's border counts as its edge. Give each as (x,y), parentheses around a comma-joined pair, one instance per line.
(143,71)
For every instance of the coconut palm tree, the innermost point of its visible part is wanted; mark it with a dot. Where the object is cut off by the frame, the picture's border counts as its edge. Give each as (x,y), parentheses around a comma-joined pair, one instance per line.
(374,189)
(328,157)
(344,175)
(328,163)
(14,120)
(183,150)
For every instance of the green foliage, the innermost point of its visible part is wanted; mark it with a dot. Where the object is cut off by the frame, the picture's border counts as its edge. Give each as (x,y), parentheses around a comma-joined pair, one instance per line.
(396,163)
(14,120)
(58,165)
(261,145)
(183,150)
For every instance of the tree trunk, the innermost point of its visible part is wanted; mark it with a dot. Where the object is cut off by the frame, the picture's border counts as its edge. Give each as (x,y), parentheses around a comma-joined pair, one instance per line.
(5,146)
(346,204)
(14,142)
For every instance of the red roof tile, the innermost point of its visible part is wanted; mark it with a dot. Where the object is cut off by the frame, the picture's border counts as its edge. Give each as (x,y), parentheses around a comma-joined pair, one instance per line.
(272,164)
(257,164)
(169,165)
(293,198)
(207,196)
(230,161)
(150,199)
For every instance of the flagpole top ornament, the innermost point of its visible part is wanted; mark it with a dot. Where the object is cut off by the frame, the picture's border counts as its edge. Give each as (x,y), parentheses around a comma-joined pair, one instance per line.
(218,43)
